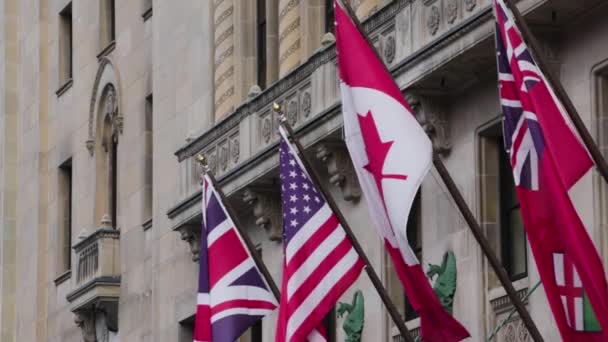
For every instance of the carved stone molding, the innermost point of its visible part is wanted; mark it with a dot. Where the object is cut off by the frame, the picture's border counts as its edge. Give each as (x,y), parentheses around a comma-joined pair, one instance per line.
(266,205)
(105,87)
(191,233)
(339,166)
(431,117)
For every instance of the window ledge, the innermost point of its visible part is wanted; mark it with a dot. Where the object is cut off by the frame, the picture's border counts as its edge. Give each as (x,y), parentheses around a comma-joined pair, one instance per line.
(147,14)
(147,224)
(499,291)
(413,325)
(106,51)
(67,85)
(63,277)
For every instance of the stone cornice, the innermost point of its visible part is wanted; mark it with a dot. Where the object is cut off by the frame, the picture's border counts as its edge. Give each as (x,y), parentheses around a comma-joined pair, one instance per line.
(271,149)
(373,25)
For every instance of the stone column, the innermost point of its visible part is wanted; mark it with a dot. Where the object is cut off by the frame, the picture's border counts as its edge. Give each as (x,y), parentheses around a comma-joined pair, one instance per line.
(364,8)
(313,26)
(289,36)
(223,43)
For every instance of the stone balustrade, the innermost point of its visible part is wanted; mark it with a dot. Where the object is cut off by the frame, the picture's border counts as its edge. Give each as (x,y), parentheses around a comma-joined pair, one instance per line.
(97,270)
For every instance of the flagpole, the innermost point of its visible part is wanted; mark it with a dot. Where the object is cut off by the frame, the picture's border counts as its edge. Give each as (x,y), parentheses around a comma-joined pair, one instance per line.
(486,248)
(466,212)
(561,93)
(254,253)
(373,276)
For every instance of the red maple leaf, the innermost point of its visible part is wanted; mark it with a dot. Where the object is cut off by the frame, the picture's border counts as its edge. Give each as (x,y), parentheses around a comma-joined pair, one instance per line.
(376,149)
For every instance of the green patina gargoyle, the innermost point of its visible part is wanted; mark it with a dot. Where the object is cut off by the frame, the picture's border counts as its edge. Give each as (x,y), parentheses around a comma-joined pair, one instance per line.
(445,284)
(353,324)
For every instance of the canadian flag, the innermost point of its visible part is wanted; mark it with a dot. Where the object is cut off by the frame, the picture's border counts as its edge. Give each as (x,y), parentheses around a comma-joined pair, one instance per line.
(391,154)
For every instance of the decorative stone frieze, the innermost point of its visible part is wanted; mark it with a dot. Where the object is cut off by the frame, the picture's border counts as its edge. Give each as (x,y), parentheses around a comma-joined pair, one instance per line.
(224,152)
(451,10)
(191,233)
(432,20)
(334,156)
(389,49)
(469,5)
(305,103)
(266,205)
(431,117)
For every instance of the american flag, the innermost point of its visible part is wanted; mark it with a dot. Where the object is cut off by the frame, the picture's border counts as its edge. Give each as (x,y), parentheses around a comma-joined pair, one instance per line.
(232,294)
(518,74)
(320,262)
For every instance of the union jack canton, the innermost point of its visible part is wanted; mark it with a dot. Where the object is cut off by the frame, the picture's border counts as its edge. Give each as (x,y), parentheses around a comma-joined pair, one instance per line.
(232,294)
(523,137)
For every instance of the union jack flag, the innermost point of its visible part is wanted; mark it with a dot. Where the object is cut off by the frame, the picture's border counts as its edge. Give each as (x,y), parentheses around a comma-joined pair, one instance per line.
(232,293)
(320,262)
(517,75)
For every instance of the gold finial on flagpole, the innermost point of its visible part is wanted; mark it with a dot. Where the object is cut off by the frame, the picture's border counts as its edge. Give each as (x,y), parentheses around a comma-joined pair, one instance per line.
(276,107)
(200,158)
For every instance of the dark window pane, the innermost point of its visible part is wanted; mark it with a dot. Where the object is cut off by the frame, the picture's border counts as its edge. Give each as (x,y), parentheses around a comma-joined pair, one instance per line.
(414,237)
(261,42)
(513,236)
(329,16)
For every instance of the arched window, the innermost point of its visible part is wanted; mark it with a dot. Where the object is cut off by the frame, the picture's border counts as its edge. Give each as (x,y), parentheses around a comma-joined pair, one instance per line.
(109,125)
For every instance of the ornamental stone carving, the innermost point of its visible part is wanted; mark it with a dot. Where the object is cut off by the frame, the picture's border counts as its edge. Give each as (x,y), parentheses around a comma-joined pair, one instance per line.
(266,130)
(223,157)
(451,10)
(389,49)
(90,144)
(340,169)
(191,234)
(96,323)
(265,203)
(432,119)
(234,150)
(85,320)
(292,113)
(469,5)
(306,103)
(515,331)
(211,157)
(432,21)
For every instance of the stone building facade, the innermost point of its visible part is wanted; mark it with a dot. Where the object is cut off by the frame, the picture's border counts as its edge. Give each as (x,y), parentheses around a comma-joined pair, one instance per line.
(104,104)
